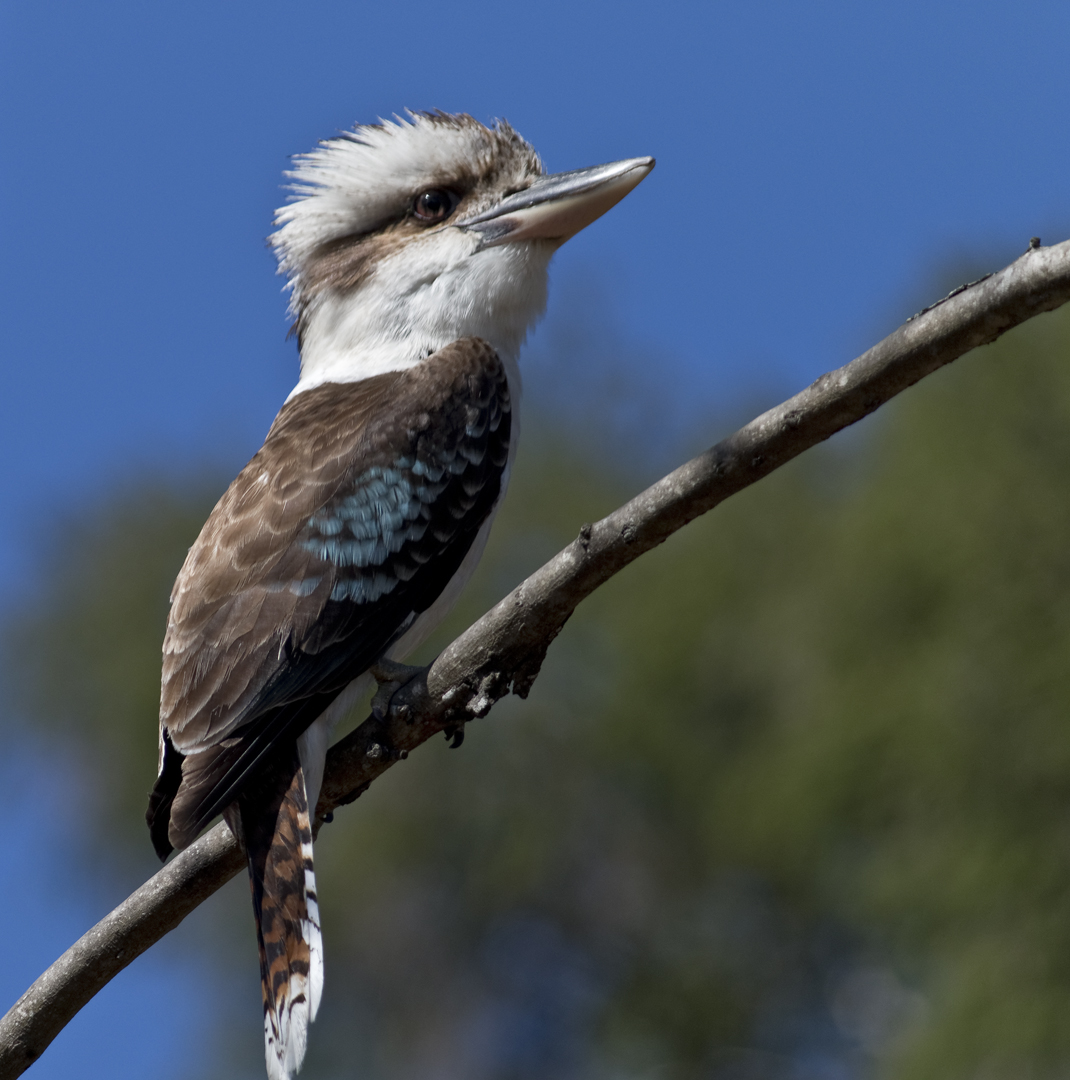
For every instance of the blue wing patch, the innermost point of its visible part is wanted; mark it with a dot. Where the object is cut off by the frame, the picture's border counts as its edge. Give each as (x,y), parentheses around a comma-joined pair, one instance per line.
(388,510)
(384,512)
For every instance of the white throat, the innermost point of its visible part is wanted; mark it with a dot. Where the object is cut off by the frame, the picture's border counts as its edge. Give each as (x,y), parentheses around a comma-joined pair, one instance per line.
(432,291)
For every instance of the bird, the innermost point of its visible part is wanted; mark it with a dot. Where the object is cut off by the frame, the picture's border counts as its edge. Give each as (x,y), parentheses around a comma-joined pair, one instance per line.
(416,254)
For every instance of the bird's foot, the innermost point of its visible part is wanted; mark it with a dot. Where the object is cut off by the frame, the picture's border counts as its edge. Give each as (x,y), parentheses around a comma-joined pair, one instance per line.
(391,677)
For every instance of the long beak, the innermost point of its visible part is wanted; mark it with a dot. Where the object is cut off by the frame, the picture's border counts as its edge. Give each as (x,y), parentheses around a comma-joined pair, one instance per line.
(556,207)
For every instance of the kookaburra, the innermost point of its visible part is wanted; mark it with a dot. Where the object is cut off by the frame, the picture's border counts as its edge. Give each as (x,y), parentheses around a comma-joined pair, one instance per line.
(416,253)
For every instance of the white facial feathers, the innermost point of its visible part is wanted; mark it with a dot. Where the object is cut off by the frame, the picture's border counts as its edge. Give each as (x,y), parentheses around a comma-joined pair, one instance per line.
(372,288)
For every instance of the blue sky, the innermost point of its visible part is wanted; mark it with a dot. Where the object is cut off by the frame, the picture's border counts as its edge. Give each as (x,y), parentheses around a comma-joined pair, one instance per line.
(820,167)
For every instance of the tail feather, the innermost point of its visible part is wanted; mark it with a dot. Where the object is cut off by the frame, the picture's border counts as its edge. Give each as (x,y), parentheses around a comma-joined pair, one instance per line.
(276,827)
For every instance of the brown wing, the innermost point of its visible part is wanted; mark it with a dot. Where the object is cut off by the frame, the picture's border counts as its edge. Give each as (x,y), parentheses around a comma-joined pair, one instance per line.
(351,519)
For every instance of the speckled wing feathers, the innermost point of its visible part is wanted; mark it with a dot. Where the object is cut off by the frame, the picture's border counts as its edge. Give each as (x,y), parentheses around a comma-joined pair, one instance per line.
(351,519)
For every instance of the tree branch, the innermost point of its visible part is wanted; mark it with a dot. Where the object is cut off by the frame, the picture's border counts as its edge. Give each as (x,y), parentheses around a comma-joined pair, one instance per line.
(504,650)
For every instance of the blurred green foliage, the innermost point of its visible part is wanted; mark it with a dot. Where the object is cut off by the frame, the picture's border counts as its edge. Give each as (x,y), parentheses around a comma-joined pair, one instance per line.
(791,797)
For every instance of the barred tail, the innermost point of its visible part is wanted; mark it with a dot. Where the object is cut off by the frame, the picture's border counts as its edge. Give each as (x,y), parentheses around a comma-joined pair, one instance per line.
(278,839)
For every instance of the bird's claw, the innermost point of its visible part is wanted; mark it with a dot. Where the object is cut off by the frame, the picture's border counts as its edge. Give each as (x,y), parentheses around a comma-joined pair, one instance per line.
(391,677)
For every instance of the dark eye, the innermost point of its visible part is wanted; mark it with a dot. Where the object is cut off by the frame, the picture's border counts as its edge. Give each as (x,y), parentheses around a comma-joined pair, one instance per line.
(434,205)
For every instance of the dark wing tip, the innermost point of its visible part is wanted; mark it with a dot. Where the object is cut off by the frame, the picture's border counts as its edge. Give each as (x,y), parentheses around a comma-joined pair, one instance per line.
(158,814)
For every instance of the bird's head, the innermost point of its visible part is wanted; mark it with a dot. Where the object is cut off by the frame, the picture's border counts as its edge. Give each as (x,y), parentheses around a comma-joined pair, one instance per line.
(404,236)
